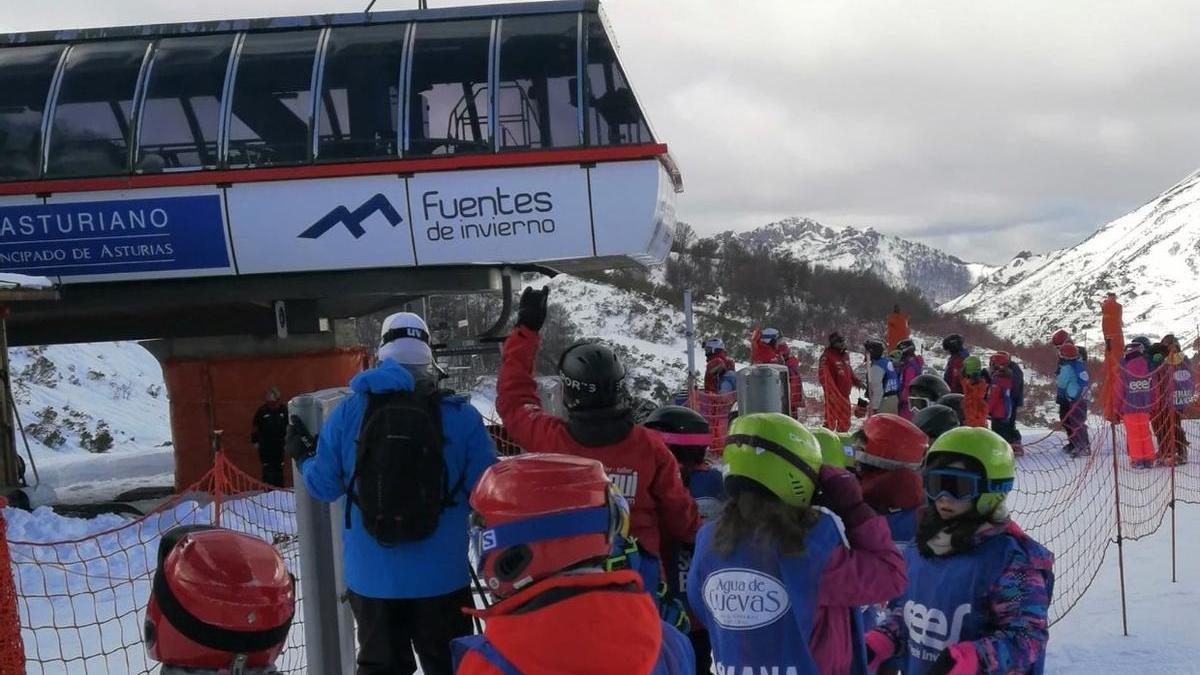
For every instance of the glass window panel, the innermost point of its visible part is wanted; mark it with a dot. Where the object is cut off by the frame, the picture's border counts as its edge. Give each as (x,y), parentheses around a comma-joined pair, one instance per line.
(182,112)
(25,75)
(360,92)
(272,100)
(538,83)
(91,129)
(448,104)
(613,116)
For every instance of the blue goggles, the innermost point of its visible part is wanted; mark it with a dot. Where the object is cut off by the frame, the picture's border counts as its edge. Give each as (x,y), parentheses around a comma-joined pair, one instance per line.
(961,485)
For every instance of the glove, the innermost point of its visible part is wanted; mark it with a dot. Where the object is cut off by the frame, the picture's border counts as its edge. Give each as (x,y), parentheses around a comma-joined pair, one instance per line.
(672,611)
(299,443)
(879,649)
(959,659)
(532,311)
(841,493)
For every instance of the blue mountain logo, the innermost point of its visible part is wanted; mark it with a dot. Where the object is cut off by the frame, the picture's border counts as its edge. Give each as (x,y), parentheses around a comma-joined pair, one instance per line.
(353,219)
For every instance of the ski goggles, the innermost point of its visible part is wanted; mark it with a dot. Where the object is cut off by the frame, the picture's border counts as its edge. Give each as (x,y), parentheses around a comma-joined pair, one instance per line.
(961,485)
(918,402)
(610,519)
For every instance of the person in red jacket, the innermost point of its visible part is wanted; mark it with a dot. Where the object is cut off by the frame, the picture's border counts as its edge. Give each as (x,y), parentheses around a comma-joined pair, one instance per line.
(542,527)
(795,385)
(718,366)
(764,346)
(837,377)
(599,426)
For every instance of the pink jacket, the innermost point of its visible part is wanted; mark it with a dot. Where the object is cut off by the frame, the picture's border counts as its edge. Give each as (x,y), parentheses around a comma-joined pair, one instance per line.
(871,568)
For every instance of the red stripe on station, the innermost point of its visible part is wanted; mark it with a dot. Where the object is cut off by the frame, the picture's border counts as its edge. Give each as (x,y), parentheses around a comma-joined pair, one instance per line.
(366,168)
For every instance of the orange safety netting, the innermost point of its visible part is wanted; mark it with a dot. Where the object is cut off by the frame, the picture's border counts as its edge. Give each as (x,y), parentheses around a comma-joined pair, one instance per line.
(82,601)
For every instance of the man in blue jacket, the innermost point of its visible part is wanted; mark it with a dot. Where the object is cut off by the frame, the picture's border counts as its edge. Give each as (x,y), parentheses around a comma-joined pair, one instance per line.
(407,596)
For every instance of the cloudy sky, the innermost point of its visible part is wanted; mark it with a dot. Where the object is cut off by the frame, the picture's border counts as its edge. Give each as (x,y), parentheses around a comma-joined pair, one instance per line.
(982,128)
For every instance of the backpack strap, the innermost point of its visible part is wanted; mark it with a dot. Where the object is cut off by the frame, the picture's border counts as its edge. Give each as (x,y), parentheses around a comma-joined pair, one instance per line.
(375,402)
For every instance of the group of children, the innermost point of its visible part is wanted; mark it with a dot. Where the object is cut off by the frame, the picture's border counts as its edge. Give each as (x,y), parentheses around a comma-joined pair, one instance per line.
(820,553)
(767,346)
(1158,385)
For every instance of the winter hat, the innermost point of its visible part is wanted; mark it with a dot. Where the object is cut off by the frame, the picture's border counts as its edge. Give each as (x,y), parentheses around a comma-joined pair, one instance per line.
(836,337)
(1069,352)
(405,340)
(1060,338)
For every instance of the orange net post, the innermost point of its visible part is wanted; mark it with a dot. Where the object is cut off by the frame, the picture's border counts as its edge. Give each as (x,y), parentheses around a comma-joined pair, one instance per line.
(12,649)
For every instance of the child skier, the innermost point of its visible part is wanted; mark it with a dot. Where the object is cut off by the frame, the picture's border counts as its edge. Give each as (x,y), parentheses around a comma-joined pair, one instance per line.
(890,452)
(883,382)
(1001,400)
(771,579)
(1137,401)
(687,435)
(953,346)
(911,367)
(542,528)
(974,383)
(979,588)
(1072,382)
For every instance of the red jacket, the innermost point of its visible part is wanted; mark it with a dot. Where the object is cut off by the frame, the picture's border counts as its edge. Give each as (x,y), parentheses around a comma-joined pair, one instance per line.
(835,373)
(605,624)
(641,466)
(717,366)
(999,397)
(795,384)
(761,352)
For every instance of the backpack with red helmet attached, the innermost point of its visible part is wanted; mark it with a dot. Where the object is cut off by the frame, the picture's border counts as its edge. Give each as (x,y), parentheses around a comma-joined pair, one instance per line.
(400,483)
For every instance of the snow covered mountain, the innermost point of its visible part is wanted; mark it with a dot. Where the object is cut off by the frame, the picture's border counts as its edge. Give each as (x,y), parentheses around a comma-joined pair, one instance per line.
(1150,258)
(900,262)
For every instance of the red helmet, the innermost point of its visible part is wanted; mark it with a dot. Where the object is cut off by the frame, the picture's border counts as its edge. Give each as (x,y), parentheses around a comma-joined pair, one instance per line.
(1000,360)
(1060,338)
(537,515)
(218,594)
(1069,352)
(892,443)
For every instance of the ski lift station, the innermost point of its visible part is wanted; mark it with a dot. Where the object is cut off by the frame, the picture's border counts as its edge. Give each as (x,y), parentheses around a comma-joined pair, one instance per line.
(234,191)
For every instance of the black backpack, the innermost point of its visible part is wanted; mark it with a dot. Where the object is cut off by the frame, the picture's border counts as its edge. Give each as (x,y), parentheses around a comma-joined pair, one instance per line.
(400,482)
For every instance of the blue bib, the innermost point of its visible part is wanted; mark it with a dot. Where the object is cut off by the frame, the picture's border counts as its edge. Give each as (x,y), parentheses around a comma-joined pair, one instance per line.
(891,379)
(946,599)
(759,608)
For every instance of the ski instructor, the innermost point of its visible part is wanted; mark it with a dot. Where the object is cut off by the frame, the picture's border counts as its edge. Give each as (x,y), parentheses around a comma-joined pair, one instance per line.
(405,456)
(599,426)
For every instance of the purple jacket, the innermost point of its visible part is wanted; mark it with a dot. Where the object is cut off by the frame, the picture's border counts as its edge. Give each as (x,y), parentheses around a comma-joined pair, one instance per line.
(1137,384)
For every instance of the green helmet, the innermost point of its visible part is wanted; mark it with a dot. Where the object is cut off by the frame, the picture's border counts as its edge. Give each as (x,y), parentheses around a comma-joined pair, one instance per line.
(776,452)
(991,451)
(972,365)
(833,448)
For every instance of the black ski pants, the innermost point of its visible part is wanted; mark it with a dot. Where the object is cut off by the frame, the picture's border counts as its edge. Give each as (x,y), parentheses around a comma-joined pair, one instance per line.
(390,630)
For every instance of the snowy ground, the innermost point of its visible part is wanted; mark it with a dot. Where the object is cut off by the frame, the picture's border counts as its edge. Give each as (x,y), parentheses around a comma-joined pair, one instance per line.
(1162,615)
(90,479)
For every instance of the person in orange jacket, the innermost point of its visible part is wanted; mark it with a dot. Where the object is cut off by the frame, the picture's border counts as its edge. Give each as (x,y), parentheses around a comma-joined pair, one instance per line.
(837,377)
(975,385)
(897,327)
(543,527)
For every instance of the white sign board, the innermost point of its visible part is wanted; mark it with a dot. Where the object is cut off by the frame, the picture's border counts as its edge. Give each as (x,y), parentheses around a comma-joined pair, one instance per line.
(320,224)
(501,215)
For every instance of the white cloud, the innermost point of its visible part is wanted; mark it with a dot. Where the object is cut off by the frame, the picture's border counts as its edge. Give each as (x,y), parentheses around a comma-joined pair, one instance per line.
(983,128)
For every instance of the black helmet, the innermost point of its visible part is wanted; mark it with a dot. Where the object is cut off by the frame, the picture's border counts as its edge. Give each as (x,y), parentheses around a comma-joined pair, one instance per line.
(936,420)
(835,338)
(927,389)
(874,347)
(953,343)
(905,346)
(954,402)
(684,430)
(593,378)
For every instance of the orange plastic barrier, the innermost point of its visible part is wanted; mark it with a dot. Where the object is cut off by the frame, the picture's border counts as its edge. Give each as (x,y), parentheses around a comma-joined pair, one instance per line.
(223,394)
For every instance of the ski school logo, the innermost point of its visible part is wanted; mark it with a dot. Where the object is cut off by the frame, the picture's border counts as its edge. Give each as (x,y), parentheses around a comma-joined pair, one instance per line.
(353,220)
(744,599)
(928,626)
